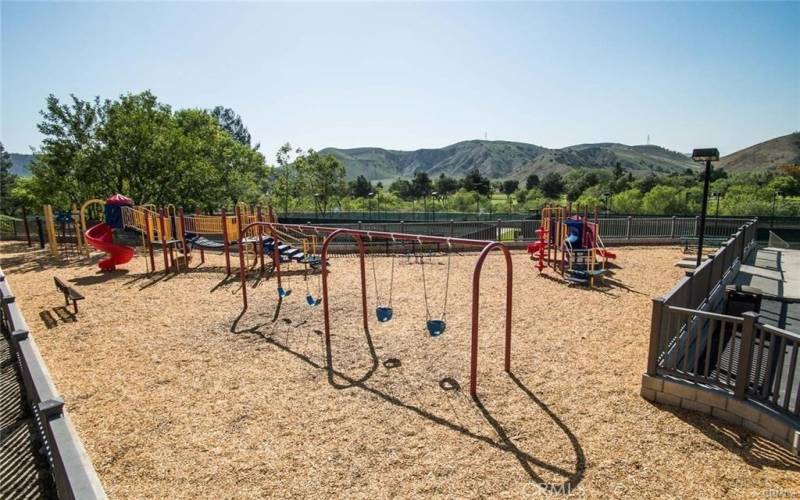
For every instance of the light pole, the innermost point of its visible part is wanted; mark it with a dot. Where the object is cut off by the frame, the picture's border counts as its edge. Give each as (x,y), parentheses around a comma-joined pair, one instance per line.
(707,155)
(717,195)
(435,195)
(775,195)
(317,208)
(370,195)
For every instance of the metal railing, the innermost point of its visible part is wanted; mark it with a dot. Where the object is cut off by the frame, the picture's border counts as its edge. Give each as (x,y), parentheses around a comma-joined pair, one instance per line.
(613,229)
(770,357)
(776,241)
(73,473)
(690,341)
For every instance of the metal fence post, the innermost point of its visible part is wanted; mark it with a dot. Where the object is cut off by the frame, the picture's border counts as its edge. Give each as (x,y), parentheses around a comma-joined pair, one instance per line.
(628,228)
(402,226)
(359,225)
(672,228)
(745,355)
(452,228)
(655,336)
(40,231)
(497,230)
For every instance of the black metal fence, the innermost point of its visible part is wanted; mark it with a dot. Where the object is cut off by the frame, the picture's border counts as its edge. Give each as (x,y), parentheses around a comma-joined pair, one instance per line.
(620,230)
(73,473)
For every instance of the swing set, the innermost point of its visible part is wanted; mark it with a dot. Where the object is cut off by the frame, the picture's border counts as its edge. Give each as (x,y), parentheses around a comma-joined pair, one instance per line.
(384,311)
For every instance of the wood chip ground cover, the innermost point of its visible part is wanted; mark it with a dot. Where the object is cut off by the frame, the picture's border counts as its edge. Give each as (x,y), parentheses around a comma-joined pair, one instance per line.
(175,393)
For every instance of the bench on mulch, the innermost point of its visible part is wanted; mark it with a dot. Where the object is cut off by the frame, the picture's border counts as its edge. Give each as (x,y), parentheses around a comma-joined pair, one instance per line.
(69,293)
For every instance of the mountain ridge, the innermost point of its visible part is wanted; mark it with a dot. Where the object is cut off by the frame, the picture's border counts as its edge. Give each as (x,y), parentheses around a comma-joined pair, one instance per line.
(517,160)
(506,159)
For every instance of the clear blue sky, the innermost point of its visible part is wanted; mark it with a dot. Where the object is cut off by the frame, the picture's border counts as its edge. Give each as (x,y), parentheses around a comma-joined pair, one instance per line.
(414,75)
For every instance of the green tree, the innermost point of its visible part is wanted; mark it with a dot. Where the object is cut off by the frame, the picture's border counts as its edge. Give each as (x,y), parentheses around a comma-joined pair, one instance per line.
(531,181)
(645,184)
(26,195)
(477,183)
(232,124)
(627,202)
(402,189)
(139,146)
(7,181)
(661,200)
(361,187)
(468,201)
(322,179)
(67,164)
(446,186)
(421,185)
(786,185)
(552,185)
(619,172)
(286,178)
(508,188)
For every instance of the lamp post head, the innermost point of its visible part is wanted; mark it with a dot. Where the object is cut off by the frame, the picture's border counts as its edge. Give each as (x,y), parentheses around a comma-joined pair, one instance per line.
(705,154)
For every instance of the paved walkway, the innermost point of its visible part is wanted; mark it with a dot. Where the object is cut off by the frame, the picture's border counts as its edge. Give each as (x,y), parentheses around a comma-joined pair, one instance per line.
(776,271)
(23,471)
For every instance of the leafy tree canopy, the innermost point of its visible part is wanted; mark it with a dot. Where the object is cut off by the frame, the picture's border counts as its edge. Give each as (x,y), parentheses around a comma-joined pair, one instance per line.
(552,185)
(141,147)
(477,183)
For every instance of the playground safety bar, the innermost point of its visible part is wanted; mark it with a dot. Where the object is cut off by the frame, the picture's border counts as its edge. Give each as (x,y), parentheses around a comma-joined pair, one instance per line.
(486,248)
(73,473)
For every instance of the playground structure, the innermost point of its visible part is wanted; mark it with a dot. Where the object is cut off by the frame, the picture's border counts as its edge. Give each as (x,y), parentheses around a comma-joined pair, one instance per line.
(259,239)
(116,225)
(435,326)
(570,244)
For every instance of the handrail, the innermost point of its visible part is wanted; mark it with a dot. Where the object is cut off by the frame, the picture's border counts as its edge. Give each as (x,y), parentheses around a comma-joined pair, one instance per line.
(73,474)
(780,332)
(776,241)
(706,314)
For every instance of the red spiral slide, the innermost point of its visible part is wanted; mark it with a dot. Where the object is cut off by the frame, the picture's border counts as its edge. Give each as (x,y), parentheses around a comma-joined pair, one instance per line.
(100,237)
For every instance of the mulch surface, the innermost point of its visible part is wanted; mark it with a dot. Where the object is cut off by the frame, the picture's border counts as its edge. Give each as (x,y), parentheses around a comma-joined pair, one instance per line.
(177,393)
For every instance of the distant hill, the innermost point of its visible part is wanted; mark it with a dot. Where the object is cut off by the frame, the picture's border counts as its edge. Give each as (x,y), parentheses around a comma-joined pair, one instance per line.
(19,164)
(767,155)
(505,159)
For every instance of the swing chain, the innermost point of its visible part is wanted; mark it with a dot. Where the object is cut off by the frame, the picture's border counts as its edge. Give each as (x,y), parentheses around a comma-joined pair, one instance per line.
(375,278)
(446,285)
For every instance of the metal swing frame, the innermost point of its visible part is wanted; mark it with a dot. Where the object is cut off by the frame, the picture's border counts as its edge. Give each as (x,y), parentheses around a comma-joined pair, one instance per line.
(359,235)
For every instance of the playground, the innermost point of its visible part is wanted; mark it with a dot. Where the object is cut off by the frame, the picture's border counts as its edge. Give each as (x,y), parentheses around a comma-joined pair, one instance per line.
(177,391)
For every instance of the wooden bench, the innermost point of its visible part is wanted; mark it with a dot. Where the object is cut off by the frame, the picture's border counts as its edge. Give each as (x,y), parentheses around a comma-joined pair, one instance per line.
(69,293)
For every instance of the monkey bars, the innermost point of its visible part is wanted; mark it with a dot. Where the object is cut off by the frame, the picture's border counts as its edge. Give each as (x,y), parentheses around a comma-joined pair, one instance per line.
(358,236)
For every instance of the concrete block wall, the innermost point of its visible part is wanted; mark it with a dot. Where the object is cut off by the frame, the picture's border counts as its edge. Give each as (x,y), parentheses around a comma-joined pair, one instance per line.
(720,404)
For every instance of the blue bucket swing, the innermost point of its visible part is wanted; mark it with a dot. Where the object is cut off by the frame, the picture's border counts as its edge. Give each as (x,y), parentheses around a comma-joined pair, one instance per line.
(385,312)
(311,260)
(284,292)
(310,299)
(436,327)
